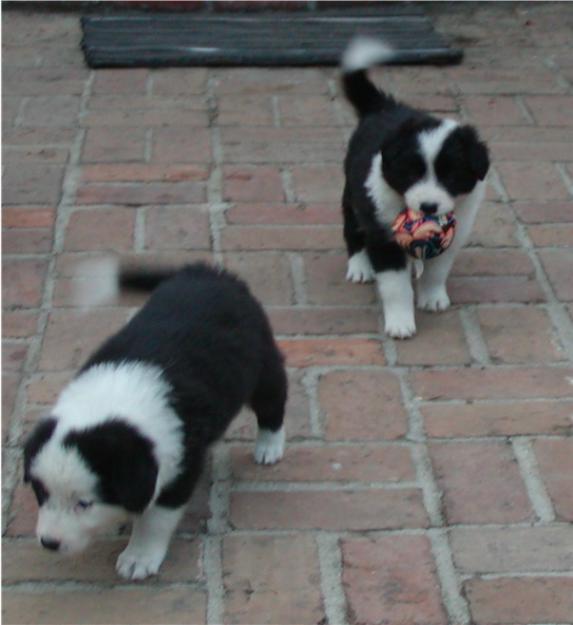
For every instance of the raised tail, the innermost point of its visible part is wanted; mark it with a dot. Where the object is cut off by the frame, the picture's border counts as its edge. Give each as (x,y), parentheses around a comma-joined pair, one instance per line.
(142,279)
(361,54)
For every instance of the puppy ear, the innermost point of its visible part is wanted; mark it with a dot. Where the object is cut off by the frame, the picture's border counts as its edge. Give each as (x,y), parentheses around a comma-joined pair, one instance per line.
(39,437)
(476,151)
(122,458)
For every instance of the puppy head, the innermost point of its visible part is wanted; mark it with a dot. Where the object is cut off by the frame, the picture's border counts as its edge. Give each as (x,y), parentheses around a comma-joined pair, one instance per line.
(87,480)
(431,163)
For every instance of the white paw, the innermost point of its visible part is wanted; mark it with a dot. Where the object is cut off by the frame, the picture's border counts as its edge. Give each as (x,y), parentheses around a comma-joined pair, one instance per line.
(359,268)
(434,299)
(136,563)
(400,328)
(270,446)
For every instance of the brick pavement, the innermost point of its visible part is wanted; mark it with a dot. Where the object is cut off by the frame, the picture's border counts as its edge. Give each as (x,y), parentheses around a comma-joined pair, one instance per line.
(426,482)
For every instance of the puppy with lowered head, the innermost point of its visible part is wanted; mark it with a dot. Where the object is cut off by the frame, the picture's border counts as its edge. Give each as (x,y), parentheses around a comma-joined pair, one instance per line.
(129,435)
(402,157)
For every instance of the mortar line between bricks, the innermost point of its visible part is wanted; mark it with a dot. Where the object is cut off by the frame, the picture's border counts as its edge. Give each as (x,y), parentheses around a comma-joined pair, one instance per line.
(275,111)
(310,381)
(522,106)
(473,335)
(540,500)
(139,229)
(20,114)
(512,574)
(213,567)
(556,309)
(330,565)
(296,264)
(148,145)
(450,583)
(288,186)
(96,586)
(566,178)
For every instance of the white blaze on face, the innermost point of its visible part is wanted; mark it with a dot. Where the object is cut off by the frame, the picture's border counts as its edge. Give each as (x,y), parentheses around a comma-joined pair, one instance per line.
(428,190)
(64,517)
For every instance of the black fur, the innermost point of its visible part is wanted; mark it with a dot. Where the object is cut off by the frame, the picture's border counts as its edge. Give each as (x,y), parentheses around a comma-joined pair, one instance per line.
(123,461)
(214,345)
(39,437)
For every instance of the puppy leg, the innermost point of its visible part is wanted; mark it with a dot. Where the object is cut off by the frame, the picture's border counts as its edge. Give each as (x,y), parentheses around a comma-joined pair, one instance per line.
(359,267)
(268,403)
(149,542)
(393,277)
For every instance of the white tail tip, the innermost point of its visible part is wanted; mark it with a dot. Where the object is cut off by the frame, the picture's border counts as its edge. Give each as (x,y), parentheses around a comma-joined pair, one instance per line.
(95,282)
(363,52)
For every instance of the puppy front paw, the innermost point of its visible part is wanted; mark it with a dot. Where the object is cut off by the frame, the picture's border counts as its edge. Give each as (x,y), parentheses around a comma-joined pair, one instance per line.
(433,299)
(400,328)
(139,563)
(270,446)
(359,268)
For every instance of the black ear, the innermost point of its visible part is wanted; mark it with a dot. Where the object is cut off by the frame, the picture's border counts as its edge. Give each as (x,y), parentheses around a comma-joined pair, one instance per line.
(123,460)
(476,151)
(39,437)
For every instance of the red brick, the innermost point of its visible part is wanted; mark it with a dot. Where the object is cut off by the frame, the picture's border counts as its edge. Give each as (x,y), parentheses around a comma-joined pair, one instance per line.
(549,235)
(495,227)
(142,172)
(555,459)
(519,335)
(323,320)
(544,212)
(260,184)
(366,463)
(44,387)
(22,154)
(71,336)
(26,561)
(551,110)
(180,145)
(501,550)
(245,110)
(138,194)
(255,80)
(504,81)
(531,144)
(306,110)
(268,275)
(26,240)
(120,81)
(481,483)
(271,579)
(10,385)
(43,81)
(105,605)
(27,217)
(334,351)
(369,509)
(110,145)
(19,324)
(177,228)
(51,111)
(282,145)
(10,108)
(33,183)
(23,283)
(483,262)
(493,383)
(498,419)
(520,601)
(494,111)
(374,395)
(240,238)
(537,181)
(327,285)
(147,117)
(39,136)
(100,230)
(557,264)
(23,513)
(287,214)
(502,289)
(179,81)
(13,355)
(440,340)
(319,183)
(393,576)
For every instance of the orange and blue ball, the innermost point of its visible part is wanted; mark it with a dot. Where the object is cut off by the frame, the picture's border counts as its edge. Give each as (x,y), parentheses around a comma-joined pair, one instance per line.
(424,236)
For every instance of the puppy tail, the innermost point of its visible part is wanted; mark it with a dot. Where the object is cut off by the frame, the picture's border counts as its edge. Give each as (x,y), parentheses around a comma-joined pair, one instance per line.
(362,53)
(142,279)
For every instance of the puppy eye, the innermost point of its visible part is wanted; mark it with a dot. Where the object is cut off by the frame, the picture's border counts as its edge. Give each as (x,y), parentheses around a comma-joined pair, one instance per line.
(83,504)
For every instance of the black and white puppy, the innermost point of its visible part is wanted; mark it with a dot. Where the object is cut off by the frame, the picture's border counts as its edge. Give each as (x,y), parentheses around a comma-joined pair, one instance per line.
(402,157)
(129,435)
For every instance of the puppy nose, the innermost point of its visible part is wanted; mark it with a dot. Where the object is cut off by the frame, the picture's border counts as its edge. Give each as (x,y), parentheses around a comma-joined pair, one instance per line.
(429,209)
(50,543)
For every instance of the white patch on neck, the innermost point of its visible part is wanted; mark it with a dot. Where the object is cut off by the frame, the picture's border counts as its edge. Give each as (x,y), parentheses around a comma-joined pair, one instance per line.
(134,392)
(387,202)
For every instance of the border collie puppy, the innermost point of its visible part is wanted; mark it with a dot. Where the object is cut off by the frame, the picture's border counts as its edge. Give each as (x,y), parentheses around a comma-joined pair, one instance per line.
(129,435)
(401,157)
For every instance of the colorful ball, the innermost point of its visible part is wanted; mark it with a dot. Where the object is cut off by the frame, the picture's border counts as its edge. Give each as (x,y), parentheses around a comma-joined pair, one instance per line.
(424,236)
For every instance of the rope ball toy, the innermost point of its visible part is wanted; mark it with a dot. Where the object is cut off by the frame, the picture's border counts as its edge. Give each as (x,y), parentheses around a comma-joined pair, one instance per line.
(424,236)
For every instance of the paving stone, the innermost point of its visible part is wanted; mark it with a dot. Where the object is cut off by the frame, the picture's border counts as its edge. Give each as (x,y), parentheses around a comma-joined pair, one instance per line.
(287,214)
(33,184)
(177,228)
(551,110)
(138,194)
(51,111)
(319,183)
(111,145)
(317,320)
(528,181)
(23,282)
(26,241)
(556,263)
(178,81)
(100,229)
(494,111)
(117,81)
(551,235)
(143,172)
(239,238)
(244,184)
(19,324)
(555,461)
(338,351)
(181,145)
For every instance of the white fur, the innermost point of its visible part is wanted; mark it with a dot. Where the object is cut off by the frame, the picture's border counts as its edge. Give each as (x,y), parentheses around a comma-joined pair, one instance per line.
(363,52)
(148,543)
(428,190)
(395,288)
(95,282)
(388,203)
(270,446)
(360,268)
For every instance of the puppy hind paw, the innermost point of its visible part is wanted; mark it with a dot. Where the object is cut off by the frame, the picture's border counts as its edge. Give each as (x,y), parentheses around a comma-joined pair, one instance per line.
(359,268)
(270,446)
(433,300)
